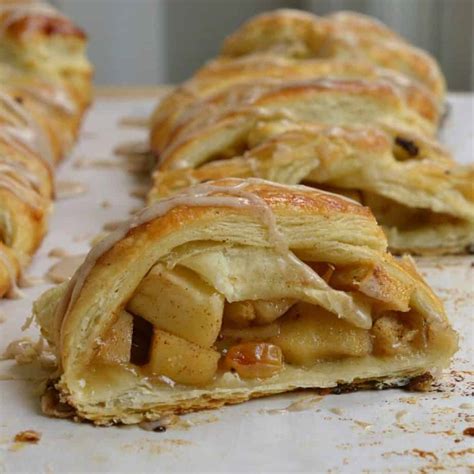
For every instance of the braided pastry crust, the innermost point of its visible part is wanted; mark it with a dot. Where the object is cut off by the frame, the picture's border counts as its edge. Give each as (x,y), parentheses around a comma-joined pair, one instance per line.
(301,35)
(327,80)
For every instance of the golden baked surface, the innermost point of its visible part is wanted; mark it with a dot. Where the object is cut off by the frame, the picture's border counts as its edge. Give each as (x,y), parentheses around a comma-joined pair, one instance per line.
(301,35)
(45,88)
(256,71)
(236,289)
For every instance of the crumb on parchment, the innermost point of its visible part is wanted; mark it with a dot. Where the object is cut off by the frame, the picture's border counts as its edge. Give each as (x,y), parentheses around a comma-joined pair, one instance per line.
(28,436)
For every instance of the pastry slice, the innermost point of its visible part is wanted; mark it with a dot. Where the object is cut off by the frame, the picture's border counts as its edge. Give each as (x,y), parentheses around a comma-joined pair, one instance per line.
(220,75)
(346,35)
(423,199)
(224,125)
(236,289)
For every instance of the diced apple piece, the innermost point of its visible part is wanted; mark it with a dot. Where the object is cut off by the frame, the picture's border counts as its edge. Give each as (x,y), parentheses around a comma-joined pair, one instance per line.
(180,302)
(268,311)
(388,292)
(239,313)
(254,333)
(392,336)
(242,313)
(309,333)
(181,360)
(117,343)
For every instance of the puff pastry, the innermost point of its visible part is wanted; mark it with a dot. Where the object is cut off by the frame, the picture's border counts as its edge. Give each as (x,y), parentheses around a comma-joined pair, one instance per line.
(222,125)
(301,35)
(362,107)
(236,289)
(422,198)
(219,76)
(45,88)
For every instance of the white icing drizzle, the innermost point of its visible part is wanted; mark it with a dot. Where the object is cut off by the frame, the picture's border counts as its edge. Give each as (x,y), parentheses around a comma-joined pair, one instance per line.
(48,91)
(13,292)
(25,131)
(20,172)
(54,96)
(28,195)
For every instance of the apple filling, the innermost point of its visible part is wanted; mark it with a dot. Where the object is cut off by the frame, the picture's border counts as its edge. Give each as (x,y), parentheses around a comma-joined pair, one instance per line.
(392,214)
(178,326)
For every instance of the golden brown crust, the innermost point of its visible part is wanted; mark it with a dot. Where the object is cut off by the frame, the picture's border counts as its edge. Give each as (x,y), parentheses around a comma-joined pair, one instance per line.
(218,126)
(56,404)
(37,24)
(219,76)
(291,33)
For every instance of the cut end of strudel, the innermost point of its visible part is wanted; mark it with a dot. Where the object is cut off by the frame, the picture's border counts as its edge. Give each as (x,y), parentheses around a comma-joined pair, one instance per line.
(236,289)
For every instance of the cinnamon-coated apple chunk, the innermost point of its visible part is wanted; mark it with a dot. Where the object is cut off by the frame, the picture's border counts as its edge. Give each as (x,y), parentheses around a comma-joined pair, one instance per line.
(260,312)
(180,360)
(309,333)
(239,313)
(267,311)
(178,301)
(374,282)
(115,347)
(393,336)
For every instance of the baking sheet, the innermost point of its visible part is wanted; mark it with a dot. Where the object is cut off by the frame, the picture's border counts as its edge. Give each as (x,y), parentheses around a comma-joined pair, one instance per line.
(378,431)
